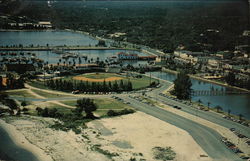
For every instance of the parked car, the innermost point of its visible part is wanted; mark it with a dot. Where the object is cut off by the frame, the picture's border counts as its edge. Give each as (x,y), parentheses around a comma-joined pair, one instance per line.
(76,92)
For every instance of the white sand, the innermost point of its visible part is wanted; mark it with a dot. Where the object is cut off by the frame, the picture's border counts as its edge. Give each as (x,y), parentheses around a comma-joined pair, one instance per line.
(60,145)
(143,132)
(21,141)
(139,132)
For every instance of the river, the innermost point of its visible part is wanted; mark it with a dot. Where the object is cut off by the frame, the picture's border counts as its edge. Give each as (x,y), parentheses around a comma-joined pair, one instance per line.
(237,103)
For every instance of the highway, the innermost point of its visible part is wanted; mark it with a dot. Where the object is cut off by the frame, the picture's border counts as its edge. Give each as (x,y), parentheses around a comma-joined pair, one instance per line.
(210,116)
(207,138)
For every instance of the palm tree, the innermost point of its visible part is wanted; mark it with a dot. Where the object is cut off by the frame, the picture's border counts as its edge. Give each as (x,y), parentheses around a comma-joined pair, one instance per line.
(218,108)
(79,61)
(208,105)
(199,101)
(240,116)
(228,112)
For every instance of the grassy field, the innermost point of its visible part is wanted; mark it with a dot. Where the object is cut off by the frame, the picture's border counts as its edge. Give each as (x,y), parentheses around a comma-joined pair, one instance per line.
(137,83)
(23,93)
(46,94)
(100,75)
(103,105)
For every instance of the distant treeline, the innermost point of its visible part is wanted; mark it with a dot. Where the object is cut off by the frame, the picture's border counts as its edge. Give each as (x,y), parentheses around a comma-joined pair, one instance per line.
(69,85)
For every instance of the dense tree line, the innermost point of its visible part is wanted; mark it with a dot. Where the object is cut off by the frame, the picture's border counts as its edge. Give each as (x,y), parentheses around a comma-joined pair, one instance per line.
(231,79)
(69,85)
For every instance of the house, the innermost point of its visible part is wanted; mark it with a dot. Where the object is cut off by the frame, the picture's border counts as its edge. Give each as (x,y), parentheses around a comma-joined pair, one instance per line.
(214,63)
(46,24)
(125,56)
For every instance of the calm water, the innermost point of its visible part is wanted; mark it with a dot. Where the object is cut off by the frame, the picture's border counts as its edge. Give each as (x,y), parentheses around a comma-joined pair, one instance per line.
(237,103)
(9,148)
(42,38)
(53,58)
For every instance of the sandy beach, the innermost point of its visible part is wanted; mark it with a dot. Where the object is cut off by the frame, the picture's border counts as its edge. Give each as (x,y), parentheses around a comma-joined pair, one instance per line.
(118,138)
(22,142)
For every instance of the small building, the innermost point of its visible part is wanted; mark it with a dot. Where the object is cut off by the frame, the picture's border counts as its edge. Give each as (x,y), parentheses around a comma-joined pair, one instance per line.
(45,24)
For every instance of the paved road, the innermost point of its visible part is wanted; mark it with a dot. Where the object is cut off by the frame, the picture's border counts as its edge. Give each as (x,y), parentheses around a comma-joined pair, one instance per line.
(210,116)
(207,138)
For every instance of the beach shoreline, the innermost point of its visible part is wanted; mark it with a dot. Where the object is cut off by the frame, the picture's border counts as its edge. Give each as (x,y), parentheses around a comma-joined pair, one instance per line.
(20,140)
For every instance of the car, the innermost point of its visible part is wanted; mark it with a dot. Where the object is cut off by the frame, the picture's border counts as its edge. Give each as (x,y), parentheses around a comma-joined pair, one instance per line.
(248,142)
(241,136)
(232,129)
(76,92)
(178,107)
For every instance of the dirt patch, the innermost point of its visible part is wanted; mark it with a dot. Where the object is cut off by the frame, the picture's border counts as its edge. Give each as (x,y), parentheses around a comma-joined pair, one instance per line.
(110,79)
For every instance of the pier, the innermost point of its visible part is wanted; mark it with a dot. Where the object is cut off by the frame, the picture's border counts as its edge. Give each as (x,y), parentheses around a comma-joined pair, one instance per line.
(215,92)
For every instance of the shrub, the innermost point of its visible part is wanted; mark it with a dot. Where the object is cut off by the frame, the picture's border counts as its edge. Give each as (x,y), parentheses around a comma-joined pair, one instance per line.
(163,153)
(122,112)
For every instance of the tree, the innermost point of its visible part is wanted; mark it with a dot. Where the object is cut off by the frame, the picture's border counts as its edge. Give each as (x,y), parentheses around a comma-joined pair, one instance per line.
(115,87)
(121,85)
(199,101)
(1,83)
(79,61)
(240,116)
(87,105)
(129,86)
(23,103)
(208,105)
(228,112)
(230,78)
(218,108)
(182,86)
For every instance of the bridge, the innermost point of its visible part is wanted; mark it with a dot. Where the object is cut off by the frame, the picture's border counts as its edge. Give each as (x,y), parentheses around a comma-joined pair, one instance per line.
(215,92)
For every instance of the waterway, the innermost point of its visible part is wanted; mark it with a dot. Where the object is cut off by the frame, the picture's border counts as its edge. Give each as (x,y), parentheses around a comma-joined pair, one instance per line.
(92,56)
(237,103)
(10,151)
(42,38)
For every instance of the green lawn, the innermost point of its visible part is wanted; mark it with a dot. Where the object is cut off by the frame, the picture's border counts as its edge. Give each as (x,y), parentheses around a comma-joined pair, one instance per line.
(100,75)
(38,84)
(103,105)
(46,94)
(20,94)
(137,83)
